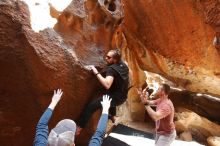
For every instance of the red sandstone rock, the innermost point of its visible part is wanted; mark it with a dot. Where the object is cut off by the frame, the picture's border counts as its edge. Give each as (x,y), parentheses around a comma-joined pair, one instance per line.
(212,13)
(174,39)
(32,65)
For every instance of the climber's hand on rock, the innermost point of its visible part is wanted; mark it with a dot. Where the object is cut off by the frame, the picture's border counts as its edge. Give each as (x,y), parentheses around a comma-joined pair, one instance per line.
(88,67)
(94,70)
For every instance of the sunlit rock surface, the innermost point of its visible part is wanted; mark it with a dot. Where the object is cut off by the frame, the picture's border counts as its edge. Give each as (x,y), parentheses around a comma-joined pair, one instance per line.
(32,66)
(89,27)
(186,136)
(177,39)
(212,13)
(200,128)
(213,141)
(204,105)
(174,39)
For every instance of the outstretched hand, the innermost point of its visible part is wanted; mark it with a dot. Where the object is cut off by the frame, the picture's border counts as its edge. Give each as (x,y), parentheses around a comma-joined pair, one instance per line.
(56,98)
(57,95)
(143,95)
(106,103)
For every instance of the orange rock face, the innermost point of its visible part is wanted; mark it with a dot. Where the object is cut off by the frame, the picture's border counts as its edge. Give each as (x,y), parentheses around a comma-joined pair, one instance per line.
(173,39)
(213,141)
(89,27)
(34,64)
(200,128)
(212,13)
(177,39)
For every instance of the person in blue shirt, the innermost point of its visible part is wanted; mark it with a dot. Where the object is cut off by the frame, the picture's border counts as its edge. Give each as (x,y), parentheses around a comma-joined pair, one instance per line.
(99,134)
(64,132)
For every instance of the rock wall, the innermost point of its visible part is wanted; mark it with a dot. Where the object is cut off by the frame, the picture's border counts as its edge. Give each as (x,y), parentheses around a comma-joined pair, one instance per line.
(177,39)
(32,66)
(212,13)
(200,128)
(173,38)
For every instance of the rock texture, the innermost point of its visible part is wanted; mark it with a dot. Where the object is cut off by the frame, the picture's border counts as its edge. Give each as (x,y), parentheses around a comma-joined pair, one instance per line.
(177,39)
(200,128)
(34,64)
(186,136)
(212,13)
(173,38)
(213,141)
(89,27)
(204,105)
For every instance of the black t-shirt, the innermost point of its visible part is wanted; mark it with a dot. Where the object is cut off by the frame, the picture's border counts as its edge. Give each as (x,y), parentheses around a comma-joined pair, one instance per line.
(118,90)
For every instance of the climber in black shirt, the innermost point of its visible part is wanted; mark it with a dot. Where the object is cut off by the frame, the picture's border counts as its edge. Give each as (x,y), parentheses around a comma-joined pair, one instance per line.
(115,82)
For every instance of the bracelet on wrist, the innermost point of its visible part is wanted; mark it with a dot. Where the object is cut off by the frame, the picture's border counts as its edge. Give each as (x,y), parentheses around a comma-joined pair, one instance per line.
(97,73)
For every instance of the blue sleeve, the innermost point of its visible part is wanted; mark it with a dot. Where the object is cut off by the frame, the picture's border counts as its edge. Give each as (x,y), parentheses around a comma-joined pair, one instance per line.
(42,129)
(99,134)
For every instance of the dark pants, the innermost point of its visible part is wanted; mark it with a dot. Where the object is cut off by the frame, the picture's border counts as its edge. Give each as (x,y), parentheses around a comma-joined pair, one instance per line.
(92,107)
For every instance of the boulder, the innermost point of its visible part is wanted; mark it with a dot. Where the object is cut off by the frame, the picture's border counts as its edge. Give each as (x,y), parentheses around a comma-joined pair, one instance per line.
(186,136)
(34,64)
(176,39)
(202,104)
(200,127)
(213,141)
